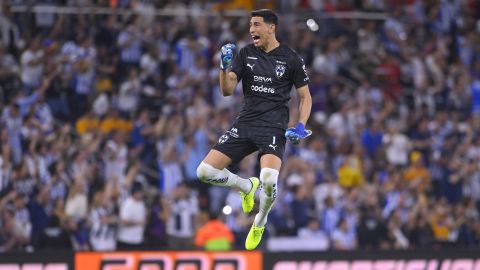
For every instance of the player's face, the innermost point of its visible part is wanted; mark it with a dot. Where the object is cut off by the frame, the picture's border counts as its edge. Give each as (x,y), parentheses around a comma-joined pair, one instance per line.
(260,31)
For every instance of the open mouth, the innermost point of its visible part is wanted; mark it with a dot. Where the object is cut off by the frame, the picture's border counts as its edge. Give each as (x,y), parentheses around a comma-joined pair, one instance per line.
(255,38)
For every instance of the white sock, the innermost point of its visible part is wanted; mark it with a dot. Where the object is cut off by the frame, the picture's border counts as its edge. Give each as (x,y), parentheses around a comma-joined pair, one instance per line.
(210,175)
(268,177)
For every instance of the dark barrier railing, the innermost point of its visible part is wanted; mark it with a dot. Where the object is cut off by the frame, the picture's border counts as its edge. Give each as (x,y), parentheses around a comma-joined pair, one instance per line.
(40,260)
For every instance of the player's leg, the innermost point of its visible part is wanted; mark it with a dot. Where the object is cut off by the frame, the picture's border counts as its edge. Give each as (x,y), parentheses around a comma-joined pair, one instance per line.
(270,167)
(212,170)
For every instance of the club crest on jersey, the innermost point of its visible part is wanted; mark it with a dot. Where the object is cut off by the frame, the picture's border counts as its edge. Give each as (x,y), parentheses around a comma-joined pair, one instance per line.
(279,70)
(223,139)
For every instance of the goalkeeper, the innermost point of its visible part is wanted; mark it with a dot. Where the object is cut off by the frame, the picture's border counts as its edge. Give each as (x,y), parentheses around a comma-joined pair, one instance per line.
(268,71)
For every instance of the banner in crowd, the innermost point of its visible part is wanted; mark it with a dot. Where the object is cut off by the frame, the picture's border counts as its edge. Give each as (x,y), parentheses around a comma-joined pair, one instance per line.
(445,259)
(57,260)
(169,261)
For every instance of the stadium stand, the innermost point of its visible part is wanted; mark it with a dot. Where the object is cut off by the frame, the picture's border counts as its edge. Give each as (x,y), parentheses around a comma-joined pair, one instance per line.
(107,116)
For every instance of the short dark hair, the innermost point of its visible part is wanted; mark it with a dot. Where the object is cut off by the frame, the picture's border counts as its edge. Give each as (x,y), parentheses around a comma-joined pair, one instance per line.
(268,15)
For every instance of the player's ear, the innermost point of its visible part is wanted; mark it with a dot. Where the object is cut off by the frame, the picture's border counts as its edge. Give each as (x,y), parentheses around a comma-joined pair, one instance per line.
(272,28)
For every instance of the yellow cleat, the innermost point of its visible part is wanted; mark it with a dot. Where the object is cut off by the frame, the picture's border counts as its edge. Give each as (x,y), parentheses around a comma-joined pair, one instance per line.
(248,199)
(254,237)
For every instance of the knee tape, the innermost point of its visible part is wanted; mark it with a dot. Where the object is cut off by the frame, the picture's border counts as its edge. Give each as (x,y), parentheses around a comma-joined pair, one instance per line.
(269,177)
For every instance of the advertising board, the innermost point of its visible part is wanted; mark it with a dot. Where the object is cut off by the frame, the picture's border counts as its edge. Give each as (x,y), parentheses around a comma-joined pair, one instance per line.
(169,261)
(454,259)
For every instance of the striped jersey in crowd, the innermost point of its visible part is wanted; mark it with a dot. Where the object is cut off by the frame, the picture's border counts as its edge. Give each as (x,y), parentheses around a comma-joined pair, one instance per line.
(102,236)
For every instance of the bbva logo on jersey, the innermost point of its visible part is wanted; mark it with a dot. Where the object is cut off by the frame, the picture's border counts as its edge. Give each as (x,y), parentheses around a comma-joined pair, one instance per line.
(279,70)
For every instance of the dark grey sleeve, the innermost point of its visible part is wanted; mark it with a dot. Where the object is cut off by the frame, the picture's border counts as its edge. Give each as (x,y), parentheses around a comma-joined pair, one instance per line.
(238,64)
(300,76)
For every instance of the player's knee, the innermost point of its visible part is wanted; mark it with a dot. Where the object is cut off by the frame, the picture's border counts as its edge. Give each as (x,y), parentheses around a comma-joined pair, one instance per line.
(269,178)
(205,172)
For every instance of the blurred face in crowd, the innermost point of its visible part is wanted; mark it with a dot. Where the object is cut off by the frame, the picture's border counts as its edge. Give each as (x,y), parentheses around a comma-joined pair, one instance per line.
(43,197)
(35,44)
(20,202)
(261,32)
(138,195)
(119,137)
(182,191)
(344,225)
(133,74)
(314,225)
(14,111)
(59,204)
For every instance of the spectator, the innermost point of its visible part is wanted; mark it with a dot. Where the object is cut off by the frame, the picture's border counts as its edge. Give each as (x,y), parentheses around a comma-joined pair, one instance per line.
(103,222)
(5,164)
(83,76)
(113,122)
(129,94)
(57,233)
(76,209)
(106,68)
(417,174)
(130,43)
(330,216)
(442,223)
(22,217)
(394,100)
(181,223)
(156,228)
(372,139)
(349,174)
(312,230)
(32,65)
(13,122)
(214,235)
(9,70)
(133,218)
(418,232)
(397,145)
(300,206)
(371,230)
(343,238)
(56,92)
(8,236)
(115,158)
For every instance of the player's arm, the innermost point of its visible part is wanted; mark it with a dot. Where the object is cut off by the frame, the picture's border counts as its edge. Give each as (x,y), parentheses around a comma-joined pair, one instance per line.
(230,69)
(300,80)
(305,105)
(228,82)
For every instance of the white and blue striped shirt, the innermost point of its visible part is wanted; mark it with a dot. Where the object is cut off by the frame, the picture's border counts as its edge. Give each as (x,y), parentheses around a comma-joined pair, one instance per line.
(133,52)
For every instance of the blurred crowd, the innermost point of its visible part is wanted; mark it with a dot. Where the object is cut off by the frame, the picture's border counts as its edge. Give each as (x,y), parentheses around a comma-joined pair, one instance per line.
(105,118)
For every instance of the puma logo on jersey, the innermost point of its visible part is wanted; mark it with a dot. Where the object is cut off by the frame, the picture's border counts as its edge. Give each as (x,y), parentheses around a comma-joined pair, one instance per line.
(250,66)
(273,145)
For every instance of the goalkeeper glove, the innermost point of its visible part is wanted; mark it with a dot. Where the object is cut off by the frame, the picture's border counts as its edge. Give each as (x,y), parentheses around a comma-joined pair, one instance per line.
(226,55)
(297,133)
